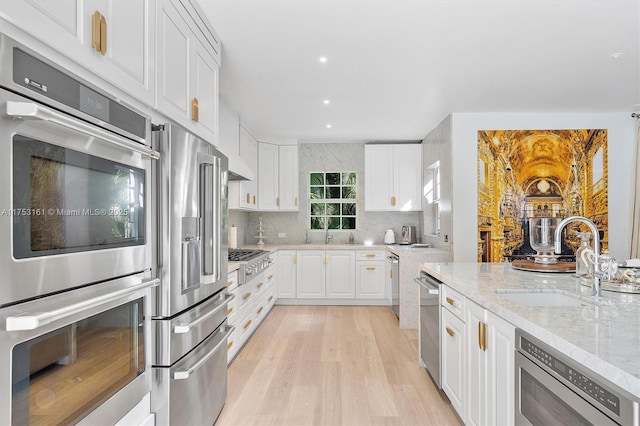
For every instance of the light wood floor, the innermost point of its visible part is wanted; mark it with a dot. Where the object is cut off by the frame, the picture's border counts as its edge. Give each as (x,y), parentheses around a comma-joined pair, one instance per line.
(332,365)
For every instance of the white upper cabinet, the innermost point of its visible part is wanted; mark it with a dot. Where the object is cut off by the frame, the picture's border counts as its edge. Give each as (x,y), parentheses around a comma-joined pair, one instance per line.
(111,38)
(188,53)
(393,177)
(277,177)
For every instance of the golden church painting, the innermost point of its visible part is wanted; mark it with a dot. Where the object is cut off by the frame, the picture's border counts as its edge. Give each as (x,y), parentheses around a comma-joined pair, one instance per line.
(528,174)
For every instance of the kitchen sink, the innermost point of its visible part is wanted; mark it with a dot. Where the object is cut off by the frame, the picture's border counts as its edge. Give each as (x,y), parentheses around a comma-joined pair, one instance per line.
(543,298)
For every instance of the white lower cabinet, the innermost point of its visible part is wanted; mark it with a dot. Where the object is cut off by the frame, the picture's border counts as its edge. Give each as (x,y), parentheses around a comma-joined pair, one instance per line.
(477,361)
(325,274)
(453,349)
(287,271)
(250,307)
(371,279)
(490,368)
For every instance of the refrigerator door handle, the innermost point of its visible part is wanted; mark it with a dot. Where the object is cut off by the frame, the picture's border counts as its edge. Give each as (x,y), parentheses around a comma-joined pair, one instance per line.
(207,198)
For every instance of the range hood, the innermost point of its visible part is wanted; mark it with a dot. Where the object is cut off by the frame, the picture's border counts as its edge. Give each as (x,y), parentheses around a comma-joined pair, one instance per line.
(239,170)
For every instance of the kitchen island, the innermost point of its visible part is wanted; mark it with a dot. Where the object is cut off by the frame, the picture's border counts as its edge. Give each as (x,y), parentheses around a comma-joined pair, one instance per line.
(601,334)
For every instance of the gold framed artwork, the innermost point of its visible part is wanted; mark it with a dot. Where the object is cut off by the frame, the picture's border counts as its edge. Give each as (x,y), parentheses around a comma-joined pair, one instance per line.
(524,174)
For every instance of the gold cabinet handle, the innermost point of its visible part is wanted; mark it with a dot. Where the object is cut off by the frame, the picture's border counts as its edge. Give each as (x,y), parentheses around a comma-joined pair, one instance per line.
(195,110)
(229,311)
(278,201)
(295,258)
(270,298)
(229,345)
(391,274)
(103,36)
(370,255)
(248,198)
(370,268)
(229,283)
(295,201)
(246,296)
(259,285)
(450,332)
(326,259)
(451,301)
(247,324)
(254,199)
(482,336)
(393,201)
(95,30)
(259,311)
(269,277)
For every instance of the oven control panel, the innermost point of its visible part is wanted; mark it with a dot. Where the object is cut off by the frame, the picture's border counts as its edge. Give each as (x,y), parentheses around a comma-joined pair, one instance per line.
(592,388)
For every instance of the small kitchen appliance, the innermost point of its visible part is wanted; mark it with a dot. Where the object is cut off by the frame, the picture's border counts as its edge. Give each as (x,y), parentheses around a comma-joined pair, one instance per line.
(389,237)
(408,235)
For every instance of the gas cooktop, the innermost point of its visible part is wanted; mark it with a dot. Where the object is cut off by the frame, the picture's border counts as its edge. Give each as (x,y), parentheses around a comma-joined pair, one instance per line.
(243,255)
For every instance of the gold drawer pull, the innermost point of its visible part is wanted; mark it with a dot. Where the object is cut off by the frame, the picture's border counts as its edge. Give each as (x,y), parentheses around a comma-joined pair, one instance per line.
(450,331)
(246,296)
(195,110)
(277,201)
(229,345)
(269,277)
(451,301)
(229,311)
(370,255)
(247,324)
(248,198)
(393,201)
(270,298)
(254,199)
(295,201)
(259,311)
(260,285)
(482,336)
(371,268)
(229,283)
(295,258)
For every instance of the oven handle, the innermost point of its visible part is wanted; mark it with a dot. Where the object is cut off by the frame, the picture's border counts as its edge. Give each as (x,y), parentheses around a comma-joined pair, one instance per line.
(33,111)
(39,319)
(184,374)
(185,328)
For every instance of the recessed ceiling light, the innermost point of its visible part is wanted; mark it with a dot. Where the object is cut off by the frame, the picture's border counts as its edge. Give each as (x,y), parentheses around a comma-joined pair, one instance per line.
(322,59)
(616,55)
(326,102)
(328,126)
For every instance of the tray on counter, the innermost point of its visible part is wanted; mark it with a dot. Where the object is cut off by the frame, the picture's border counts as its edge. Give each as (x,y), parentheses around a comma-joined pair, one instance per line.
(531,266)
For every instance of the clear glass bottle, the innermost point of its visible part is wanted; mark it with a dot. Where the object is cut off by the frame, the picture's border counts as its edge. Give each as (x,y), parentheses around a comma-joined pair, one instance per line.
(582,269)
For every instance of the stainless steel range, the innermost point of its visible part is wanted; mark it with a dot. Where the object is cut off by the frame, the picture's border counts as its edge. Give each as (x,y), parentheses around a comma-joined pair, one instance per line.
(252,262)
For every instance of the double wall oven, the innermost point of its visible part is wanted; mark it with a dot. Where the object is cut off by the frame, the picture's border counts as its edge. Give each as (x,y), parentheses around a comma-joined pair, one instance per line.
(75,252)
(190,304)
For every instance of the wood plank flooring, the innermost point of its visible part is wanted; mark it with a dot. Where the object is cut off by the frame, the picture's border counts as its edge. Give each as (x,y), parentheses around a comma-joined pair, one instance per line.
(332,365)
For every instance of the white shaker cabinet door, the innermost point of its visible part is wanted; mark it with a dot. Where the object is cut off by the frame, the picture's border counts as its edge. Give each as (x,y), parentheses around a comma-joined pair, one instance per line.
(288,177)
(340,274)
(286,276)
(407,165)
(268,177)
(311,274)
(378,169)
(205,88)
(452,356)
(371,279)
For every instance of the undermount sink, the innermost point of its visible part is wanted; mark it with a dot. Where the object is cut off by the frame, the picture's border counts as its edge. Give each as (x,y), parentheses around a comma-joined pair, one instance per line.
(547,298)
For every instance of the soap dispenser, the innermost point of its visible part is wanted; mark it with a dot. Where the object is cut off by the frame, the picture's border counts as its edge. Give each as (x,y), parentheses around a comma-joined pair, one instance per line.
(582,269)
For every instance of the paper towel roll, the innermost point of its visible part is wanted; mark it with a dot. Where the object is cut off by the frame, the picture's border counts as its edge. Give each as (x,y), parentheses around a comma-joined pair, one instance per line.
(233,237)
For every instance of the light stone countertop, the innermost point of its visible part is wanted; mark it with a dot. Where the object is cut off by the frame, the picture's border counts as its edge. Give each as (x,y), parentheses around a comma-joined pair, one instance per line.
(603,335)
(233,266)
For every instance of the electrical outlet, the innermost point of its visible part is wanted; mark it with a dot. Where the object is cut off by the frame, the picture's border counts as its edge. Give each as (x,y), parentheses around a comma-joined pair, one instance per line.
(282,235)
(446,238)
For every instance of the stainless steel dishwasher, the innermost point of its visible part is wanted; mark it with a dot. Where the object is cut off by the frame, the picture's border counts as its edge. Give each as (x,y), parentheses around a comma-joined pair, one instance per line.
(429,325)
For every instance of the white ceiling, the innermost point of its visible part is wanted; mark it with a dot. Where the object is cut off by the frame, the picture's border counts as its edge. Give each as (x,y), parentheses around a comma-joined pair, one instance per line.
(395,69)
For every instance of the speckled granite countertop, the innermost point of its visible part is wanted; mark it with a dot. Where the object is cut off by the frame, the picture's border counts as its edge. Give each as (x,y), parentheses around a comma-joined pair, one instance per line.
(603,335)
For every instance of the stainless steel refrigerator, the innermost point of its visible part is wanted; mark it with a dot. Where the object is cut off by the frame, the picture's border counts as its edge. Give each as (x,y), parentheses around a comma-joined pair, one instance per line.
(190,258)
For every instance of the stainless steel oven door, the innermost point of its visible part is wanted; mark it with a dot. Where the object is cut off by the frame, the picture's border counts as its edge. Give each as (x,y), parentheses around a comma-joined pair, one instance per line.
(543,400)
(77,357)
(73,202)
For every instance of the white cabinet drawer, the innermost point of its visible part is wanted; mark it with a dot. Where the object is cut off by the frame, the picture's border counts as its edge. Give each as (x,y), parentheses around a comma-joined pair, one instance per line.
(453,301)
(232,280)
(371,255)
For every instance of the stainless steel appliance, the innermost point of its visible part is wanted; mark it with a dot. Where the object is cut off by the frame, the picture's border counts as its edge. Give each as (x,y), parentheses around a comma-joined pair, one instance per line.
(429,325)
(80,356)
(408,235)
(393,263)
(251,262)
(75,180)
(553,389)
(190,304)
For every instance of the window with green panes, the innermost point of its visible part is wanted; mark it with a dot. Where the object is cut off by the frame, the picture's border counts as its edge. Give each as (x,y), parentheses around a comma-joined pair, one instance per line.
(332,200)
